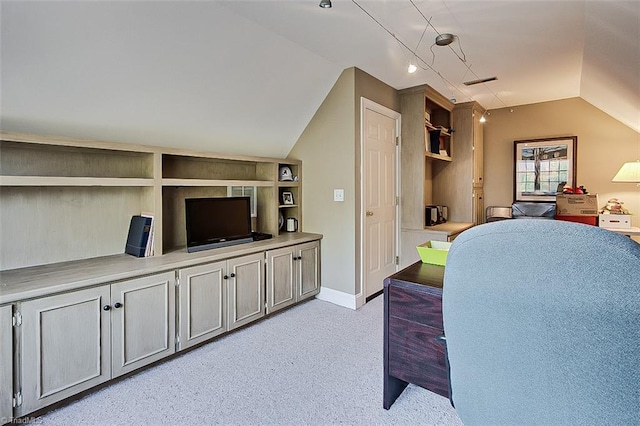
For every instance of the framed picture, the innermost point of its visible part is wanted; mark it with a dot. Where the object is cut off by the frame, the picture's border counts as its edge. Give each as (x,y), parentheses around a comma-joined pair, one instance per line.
(542,167)
(287,198)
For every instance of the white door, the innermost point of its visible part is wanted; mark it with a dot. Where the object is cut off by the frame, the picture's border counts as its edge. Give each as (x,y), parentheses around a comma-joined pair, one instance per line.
(379,236)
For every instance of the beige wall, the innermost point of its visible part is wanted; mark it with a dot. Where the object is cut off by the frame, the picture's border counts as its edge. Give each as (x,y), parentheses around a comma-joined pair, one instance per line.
(604,144)
(329,149)
(326,150)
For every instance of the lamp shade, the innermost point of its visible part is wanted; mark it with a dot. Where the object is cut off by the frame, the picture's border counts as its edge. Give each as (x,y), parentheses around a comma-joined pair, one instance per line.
(629,172)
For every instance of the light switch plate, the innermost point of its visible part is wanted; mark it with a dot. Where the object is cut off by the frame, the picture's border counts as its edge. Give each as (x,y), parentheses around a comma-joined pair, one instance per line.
(338,195)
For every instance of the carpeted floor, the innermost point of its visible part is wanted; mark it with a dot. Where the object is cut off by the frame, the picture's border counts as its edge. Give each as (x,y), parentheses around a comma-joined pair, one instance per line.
(314,364)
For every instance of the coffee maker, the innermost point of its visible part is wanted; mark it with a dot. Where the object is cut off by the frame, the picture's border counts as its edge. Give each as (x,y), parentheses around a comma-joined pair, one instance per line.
(434,215)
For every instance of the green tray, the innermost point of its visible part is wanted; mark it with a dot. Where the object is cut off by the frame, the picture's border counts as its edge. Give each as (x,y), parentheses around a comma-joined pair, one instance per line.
(434,252)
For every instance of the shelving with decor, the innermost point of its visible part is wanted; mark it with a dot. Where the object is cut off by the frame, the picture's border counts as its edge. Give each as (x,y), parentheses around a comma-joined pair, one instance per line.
(425,180)
(210,175)
(460,184)
(289,207)
(66,199)
(77,196)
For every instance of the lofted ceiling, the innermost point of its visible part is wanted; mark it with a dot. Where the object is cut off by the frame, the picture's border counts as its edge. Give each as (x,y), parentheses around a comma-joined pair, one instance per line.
(247,76)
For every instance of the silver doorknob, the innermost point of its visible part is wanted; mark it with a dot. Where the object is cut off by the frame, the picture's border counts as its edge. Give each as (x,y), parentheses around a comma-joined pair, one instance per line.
(369,213)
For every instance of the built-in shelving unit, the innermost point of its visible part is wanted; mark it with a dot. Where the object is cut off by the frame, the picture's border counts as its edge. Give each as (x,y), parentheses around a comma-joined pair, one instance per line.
(286,211)
(76,197)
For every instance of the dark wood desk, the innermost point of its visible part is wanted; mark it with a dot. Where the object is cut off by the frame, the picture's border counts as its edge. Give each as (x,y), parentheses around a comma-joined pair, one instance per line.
(414,346)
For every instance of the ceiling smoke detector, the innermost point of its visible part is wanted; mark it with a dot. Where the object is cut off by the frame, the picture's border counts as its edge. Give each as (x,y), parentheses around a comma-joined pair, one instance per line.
(445,39)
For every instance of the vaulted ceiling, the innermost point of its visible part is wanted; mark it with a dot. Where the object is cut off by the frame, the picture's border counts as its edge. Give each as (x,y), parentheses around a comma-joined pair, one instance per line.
(247,76)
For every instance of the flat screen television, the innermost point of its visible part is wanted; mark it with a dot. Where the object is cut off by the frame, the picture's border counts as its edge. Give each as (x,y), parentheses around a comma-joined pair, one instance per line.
(217,222)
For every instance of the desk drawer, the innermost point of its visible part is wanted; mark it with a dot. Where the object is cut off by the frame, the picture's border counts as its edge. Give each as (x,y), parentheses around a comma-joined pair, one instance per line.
(417,355)
(417,306)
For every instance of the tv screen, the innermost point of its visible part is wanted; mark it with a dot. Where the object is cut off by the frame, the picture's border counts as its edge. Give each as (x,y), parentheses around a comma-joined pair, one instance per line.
(217,222)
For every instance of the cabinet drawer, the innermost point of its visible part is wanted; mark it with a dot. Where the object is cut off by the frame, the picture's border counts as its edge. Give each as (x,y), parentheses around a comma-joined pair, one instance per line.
(417,355)
(423,308)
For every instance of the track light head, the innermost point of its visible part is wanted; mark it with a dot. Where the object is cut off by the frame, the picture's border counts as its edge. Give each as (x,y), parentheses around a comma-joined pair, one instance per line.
(445,39)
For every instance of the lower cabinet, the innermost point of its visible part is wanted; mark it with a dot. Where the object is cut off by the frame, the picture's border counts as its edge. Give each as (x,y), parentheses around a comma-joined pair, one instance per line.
(245,280)
(70,342)
(74,341)
(202,299)
(220,296)
(6,366)
(142,322)
(293,274)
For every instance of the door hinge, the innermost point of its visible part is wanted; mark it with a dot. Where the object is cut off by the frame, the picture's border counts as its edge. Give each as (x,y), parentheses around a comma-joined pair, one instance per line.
(397,140)
(397,260)
(397,201)
(17,399)
(17,319)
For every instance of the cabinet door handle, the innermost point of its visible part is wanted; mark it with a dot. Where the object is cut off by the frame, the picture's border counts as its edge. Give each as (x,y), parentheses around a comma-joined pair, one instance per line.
(226,277)
(232,275)
(369,213)
(441,339)
(117,305)
(106,308)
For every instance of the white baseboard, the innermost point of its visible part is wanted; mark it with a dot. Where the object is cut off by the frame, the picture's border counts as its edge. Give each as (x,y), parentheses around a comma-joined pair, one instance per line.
(337,297)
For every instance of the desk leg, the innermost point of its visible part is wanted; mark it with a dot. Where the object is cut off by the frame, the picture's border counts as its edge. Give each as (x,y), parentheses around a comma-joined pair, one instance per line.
(393,387)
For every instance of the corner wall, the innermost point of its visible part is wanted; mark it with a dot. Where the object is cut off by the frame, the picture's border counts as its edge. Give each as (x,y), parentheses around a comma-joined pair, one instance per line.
(329,149)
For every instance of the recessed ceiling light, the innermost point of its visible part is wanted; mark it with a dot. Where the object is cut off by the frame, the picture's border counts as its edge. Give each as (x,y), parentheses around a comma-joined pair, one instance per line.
(482,80)
(325,4)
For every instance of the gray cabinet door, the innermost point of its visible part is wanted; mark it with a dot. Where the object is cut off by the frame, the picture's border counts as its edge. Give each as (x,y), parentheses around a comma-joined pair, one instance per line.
(308,269)
(6,365)
(143,321)
(65,346)
(281,288)
(245,289)
(202,295)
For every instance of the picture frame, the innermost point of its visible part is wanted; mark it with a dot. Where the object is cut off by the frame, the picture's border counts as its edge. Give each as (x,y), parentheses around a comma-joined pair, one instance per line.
(542,167)
(287,198)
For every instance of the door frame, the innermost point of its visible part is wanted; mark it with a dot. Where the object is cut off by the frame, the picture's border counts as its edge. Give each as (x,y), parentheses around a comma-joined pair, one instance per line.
(367,104)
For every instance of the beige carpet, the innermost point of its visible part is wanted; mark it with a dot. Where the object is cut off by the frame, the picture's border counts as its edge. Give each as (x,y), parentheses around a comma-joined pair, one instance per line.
(314,364)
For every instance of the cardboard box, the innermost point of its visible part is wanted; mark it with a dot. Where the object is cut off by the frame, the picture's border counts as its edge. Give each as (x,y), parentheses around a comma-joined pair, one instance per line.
(615,221)
(577,204)
(587,220)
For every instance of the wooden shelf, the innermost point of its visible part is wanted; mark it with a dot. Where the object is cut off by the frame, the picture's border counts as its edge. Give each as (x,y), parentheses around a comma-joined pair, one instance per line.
(443,130)
(73,181)
(287,205)
(78,183)
(214,182)
(437,156)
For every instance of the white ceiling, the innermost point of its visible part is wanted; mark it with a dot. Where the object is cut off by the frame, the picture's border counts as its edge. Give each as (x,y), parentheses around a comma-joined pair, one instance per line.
(247,76)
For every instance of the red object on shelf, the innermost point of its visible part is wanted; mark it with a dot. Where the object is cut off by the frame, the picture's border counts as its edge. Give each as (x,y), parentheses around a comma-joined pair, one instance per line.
(588,220)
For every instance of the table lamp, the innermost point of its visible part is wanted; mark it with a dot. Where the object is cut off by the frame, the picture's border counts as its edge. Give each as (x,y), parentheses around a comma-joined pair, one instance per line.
(629,172)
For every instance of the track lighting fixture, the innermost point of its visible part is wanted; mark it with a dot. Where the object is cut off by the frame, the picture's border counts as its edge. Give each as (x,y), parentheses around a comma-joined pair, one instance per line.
(325,4)
(412,68)
(483,118)
(445,39)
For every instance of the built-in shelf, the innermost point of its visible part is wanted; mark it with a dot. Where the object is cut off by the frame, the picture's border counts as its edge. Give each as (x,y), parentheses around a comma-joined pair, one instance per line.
(437,156)
(215,182)
(72,181)
(90,189)
(287,205)
(443,130)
